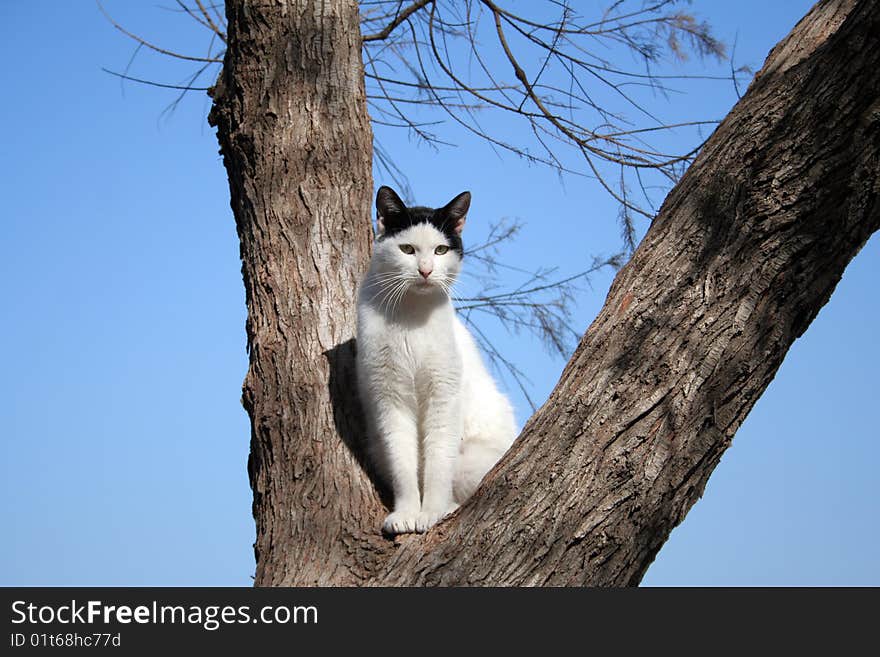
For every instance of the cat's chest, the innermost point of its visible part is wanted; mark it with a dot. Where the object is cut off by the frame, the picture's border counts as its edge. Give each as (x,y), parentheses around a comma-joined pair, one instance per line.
(428,345)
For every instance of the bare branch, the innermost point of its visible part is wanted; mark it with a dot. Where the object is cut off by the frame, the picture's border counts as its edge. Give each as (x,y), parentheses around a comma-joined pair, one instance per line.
(559,81)
(210,21)
(541,303)
(152,83)
(152,46)
(203,17)
(398,19)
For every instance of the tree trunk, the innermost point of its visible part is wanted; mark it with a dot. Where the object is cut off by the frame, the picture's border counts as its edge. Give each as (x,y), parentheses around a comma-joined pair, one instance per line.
(291,117)
(745,251)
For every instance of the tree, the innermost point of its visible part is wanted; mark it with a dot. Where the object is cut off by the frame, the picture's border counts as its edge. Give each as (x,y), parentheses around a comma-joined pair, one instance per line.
(745,250)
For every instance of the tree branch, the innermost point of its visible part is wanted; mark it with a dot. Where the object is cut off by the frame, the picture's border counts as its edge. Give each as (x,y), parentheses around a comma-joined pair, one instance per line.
(745,251)
(151,83)
(151,46)
(398,19)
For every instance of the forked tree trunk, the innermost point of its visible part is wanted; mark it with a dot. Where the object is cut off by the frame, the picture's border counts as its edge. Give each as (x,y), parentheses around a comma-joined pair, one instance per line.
(745,251)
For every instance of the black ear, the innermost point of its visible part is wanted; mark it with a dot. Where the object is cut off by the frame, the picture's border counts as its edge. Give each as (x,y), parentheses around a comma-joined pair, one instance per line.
(389,208)
(456,211)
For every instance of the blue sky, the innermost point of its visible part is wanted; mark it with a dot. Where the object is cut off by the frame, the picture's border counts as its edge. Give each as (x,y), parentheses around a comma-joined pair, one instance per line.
(124,442)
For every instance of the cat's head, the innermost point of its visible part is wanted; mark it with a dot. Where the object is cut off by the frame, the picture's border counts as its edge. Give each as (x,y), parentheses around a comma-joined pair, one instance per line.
(421,246)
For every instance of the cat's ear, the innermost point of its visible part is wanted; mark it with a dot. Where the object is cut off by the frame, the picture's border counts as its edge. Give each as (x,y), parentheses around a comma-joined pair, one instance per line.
(456,211)
(389,208)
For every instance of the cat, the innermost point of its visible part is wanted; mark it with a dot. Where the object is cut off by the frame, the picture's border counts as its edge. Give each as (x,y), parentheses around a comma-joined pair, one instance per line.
(436,421)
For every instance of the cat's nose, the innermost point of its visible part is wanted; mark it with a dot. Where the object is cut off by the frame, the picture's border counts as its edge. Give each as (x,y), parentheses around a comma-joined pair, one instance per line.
(425,272)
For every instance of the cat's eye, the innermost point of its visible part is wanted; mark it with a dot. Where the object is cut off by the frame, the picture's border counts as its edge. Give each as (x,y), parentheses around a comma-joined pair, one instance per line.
(440,250)
(407,249)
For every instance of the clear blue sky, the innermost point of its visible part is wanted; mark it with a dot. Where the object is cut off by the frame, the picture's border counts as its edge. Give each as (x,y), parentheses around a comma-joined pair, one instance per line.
(124,443)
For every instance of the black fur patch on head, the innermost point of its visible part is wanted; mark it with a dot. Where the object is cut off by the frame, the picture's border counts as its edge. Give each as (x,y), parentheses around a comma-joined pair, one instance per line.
(395,217)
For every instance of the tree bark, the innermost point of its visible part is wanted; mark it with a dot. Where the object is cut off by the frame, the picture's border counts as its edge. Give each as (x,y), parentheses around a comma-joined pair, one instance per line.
(744,252)
(291,117)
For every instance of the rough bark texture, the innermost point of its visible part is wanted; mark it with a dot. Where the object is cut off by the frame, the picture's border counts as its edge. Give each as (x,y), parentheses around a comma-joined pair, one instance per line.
(290,110)
(745,251)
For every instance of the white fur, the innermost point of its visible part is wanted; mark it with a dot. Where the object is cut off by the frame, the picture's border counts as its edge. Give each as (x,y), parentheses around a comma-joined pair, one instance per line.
(436,421)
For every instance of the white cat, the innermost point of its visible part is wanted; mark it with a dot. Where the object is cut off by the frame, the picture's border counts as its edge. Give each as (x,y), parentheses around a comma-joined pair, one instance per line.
(436,421)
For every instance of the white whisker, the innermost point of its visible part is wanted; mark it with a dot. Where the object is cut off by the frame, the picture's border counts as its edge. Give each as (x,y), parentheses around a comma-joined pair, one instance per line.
(388,300)
(384,288)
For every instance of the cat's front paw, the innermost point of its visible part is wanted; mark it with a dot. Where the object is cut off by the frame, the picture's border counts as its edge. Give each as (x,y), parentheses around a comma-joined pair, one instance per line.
(428,518)
(401,522)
